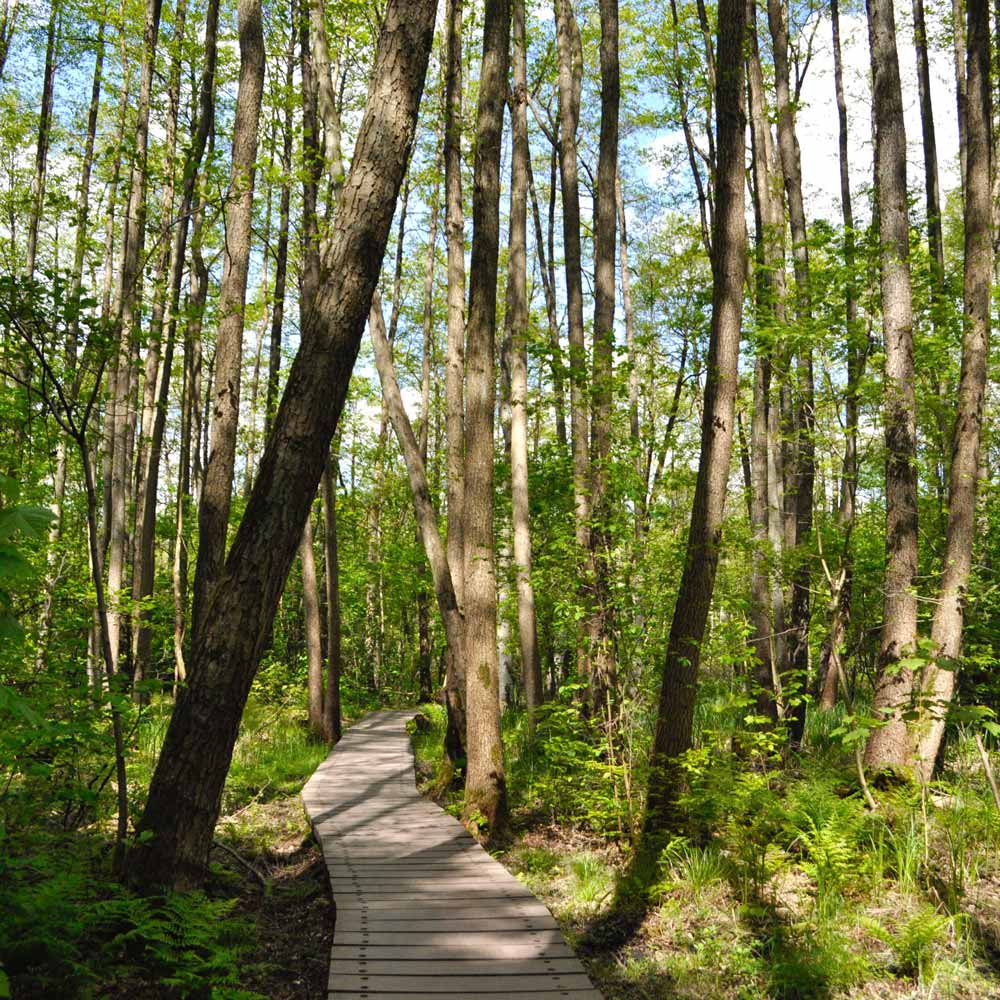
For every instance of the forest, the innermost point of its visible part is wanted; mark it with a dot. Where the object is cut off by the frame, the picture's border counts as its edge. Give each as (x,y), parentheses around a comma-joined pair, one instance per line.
(606,383)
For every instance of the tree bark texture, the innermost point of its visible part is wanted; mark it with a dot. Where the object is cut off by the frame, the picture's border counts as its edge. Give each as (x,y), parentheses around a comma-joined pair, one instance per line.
(675,716)
(485,784)
(889,746)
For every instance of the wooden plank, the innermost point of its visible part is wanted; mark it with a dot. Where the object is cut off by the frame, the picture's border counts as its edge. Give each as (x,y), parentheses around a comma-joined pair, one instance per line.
(484,967)
(421,909)
(466,986)
(350,923)
(555,994)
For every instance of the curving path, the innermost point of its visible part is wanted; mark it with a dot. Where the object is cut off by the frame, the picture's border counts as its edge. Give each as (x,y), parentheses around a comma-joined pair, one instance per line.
(422,909)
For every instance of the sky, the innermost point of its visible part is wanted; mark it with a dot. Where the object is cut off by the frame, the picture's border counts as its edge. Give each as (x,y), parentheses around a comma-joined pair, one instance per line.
(817,124)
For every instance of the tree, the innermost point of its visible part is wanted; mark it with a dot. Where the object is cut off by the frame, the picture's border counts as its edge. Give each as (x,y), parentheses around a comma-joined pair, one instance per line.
(675,714)
(217,490)
(485,786)
(888,745)
(517,326)
(938,678)
(187,785)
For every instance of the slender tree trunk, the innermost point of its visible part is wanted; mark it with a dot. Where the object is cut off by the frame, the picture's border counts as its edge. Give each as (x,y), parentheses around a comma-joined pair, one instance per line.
(632,352)
(767,596)
(517,319)
(935,243)
(42,144)
(889,746)
(129,317)
(310,614)
(804,469)
(217,490)
(570,72)
(961,89)
(331,700)
(677,693)
(186,788)
(455,367)
(157,380)
(603,682)
(423,614)
(485,785)
(281,254)
(841,598)
(938,681)
(427,522)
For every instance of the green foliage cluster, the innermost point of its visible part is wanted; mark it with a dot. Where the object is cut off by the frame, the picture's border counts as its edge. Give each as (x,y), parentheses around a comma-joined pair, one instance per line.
(70,931)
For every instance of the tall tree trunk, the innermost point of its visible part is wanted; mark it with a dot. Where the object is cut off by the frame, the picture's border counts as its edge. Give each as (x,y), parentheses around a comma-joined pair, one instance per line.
(129,316)
(675,716)
(281,254)
(548,286)
(423,616)
(935,243)
(485,785)
(217,490)
(570,73)
(603,682)
(631,348)
(938,681)
(517,318)
(767,595)
(331,700)
(841,597)
(310,615)
(889,746)
(455,368)
(157,380)
(961,88)
(186,788)
(42,144)
(803,472)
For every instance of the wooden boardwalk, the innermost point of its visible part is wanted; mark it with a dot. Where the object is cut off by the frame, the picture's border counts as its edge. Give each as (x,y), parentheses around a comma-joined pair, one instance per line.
(422,909)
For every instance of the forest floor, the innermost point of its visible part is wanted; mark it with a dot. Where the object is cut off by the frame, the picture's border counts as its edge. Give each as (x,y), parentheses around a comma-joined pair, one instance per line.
(795,893)
(261,929)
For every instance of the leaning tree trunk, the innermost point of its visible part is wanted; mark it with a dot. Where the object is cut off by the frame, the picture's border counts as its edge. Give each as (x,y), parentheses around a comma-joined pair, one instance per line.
(186,788)
(938,682)
(427,523)
(217,489)
(889,745)
(485,784)
(675,716)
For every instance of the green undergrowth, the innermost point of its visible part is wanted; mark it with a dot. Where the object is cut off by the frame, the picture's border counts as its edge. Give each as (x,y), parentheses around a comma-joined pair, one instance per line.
(68,930)
(782,885)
